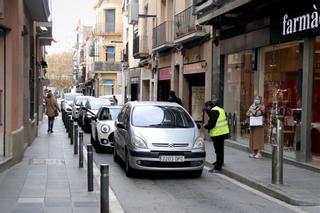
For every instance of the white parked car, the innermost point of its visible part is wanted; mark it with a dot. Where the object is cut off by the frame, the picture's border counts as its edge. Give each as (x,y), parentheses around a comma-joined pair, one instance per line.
(102,128)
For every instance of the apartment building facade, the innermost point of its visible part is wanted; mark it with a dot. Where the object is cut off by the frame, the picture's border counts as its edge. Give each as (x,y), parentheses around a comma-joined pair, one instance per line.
(107,48)
(170,51)
(268,48)
(25,30)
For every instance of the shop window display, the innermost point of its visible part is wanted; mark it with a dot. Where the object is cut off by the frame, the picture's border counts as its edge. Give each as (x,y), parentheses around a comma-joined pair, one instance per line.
(315,126)
(283,91)
(239,92)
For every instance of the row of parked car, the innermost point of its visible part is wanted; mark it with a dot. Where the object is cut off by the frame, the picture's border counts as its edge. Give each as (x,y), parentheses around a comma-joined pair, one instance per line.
(157,136)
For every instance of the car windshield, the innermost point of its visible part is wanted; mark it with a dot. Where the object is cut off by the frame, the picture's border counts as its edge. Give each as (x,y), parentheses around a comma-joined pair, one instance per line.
(80,100)
(161,117)
(114,113)
(71,96)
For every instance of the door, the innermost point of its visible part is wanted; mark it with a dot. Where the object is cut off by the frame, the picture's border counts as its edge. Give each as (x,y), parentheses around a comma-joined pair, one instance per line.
(2,92)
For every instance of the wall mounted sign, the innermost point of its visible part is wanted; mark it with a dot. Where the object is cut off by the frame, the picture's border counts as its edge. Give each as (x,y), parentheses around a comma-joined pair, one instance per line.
(295,21)
(194,68)
(165,73)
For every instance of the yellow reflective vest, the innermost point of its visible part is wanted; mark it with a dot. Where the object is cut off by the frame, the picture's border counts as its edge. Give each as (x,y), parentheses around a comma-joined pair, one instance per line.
(221,127)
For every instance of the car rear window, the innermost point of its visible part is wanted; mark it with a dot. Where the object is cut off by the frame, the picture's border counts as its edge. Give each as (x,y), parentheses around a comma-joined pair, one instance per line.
(161,117)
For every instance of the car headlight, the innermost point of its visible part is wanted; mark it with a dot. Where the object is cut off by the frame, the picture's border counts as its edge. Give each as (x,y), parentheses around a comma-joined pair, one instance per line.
(105,128)
(199,143)
(138,142)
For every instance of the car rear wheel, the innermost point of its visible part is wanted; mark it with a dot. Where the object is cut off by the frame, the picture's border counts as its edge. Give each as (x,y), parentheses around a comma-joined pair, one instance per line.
(115,155)
(97,145)
(129,170)
(92,140)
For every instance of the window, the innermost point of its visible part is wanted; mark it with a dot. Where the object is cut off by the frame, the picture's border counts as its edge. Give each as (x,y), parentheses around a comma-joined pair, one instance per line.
(162,117)
(110,54)
(108,87)
(110,20)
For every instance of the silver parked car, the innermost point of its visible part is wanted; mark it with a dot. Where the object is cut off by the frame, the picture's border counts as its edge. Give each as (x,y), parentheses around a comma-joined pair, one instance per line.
(158,136)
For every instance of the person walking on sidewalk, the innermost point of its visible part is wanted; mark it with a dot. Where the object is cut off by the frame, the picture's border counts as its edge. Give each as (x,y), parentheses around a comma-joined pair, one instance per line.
(218,130)
(52,110)
(174,98)
(256,110)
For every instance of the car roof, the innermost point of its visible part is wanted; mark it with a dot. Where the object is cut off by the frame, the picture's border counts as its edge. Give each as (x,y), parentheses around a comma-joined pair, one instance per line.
(153,103)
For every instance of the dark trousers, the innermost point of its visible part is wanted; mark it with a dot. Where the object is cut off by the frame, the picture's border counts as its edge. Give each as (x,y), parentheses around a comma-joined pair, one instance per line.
(50,122)
(218,143)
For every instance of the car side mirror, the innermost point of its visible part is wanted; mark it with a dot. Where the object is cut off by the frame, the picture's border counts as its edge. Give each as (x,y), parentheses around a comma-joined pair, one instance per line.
(120,125)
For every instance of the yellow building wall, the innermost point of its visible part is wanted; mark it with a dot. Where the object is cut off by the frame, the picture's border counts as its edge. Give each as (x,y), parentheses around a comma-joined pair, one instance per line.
(109,38)
(108,76)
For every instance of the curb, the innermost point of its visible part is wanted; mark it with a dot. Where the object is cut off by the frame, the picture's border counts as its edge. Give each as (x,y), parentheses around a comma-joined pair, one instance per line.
(115,206)
(241,147)
(268,189)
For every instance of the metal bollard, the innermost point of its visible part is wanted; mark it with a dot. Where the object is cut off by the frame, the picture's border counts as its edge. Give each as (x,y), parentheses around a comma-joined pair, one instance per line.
(75,138)
(104,188)
(80,149)
(67,124)
(90,167)
(277,155)
(71,130)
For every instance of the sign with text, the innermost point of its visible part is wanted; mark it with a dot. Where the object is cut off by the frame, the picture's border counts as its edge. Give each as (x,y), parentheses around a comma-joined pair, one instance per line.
(165,73)
(295,22)
(194,68)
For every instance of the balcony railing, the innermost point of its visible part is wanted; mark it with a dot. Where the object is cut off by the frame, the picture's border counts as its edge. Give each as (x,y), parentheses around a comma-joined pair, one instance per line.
(163,34)
(140,47)
(185,23)
(106,66)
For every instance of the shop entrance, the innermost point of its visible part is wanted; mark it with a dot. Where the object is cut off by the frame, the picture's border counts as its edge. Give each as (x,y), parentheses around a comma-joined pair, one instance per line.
(196,95)
(2,92)
(134,92)
(163,90)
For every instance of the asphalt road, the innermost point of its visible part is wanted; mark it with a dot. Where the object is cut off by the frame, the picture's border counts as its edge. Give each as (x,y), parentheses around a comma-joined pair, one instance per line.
(148,193)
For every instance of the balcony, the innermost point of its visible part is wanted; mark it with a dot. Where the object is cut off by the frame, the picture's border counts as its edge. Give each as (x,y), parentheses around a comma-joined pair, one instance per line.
(102,66)
(185,28)
(163,36)
(140,47)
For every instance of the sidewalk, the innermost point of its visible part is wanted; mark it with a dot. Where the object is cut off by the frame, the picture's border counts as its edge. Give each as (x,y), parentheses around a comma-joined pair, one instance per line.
(48,179)
(301,186)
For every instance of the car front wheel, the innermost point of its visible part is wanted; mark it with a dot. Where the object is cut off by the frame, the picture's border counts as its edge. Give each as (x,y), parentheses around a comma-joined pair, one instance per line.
(129,170)
(115,155)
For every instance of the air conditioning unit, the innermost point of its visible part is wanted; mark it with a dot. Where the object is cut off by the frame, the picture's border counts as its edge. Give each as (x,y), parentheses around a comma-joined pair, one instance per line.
(133,12)
(1,9)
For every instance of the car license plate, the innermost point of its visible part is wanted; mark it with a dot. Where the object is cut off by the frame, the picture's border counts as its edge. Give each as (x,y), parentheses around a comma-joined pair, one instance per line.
(169,158)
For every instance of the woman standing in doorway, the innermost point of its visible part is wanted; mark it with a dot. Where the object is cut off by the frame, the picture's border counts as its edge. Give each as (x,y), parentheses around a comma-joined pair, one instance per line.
(256,110)
(52,110)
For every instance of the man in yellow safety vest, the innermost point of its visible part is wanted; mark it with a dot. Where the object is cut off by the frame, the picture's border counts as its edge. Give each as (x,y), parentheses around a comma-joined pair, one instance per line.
(218,129)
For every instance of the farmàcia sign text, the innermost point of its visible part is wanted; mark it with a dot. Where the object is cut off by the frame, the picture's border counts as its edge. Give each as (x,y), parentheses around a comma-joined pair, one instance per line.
(301,23)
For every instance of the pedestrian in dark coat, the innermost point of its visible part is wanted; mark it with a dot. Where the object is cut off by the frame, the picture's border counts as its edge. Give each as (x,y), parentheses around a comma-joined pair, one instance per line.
(174,98)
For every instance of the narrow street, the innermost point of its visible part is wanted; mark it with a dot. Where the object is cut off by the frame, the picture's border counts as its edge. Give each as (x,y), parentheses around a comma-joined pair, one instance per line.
(178,193)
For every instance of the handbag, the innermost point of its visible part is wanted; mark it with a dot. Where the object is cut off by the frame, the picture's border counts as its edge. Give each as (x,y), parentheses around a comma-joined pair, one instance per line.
(256,121)
(56,113)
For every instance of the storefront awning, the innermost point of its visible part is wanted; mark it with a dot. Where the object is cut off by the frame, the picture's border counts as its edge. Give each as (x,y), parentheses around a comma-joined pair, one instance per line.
(44,33)
(38,9)
(222,10)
